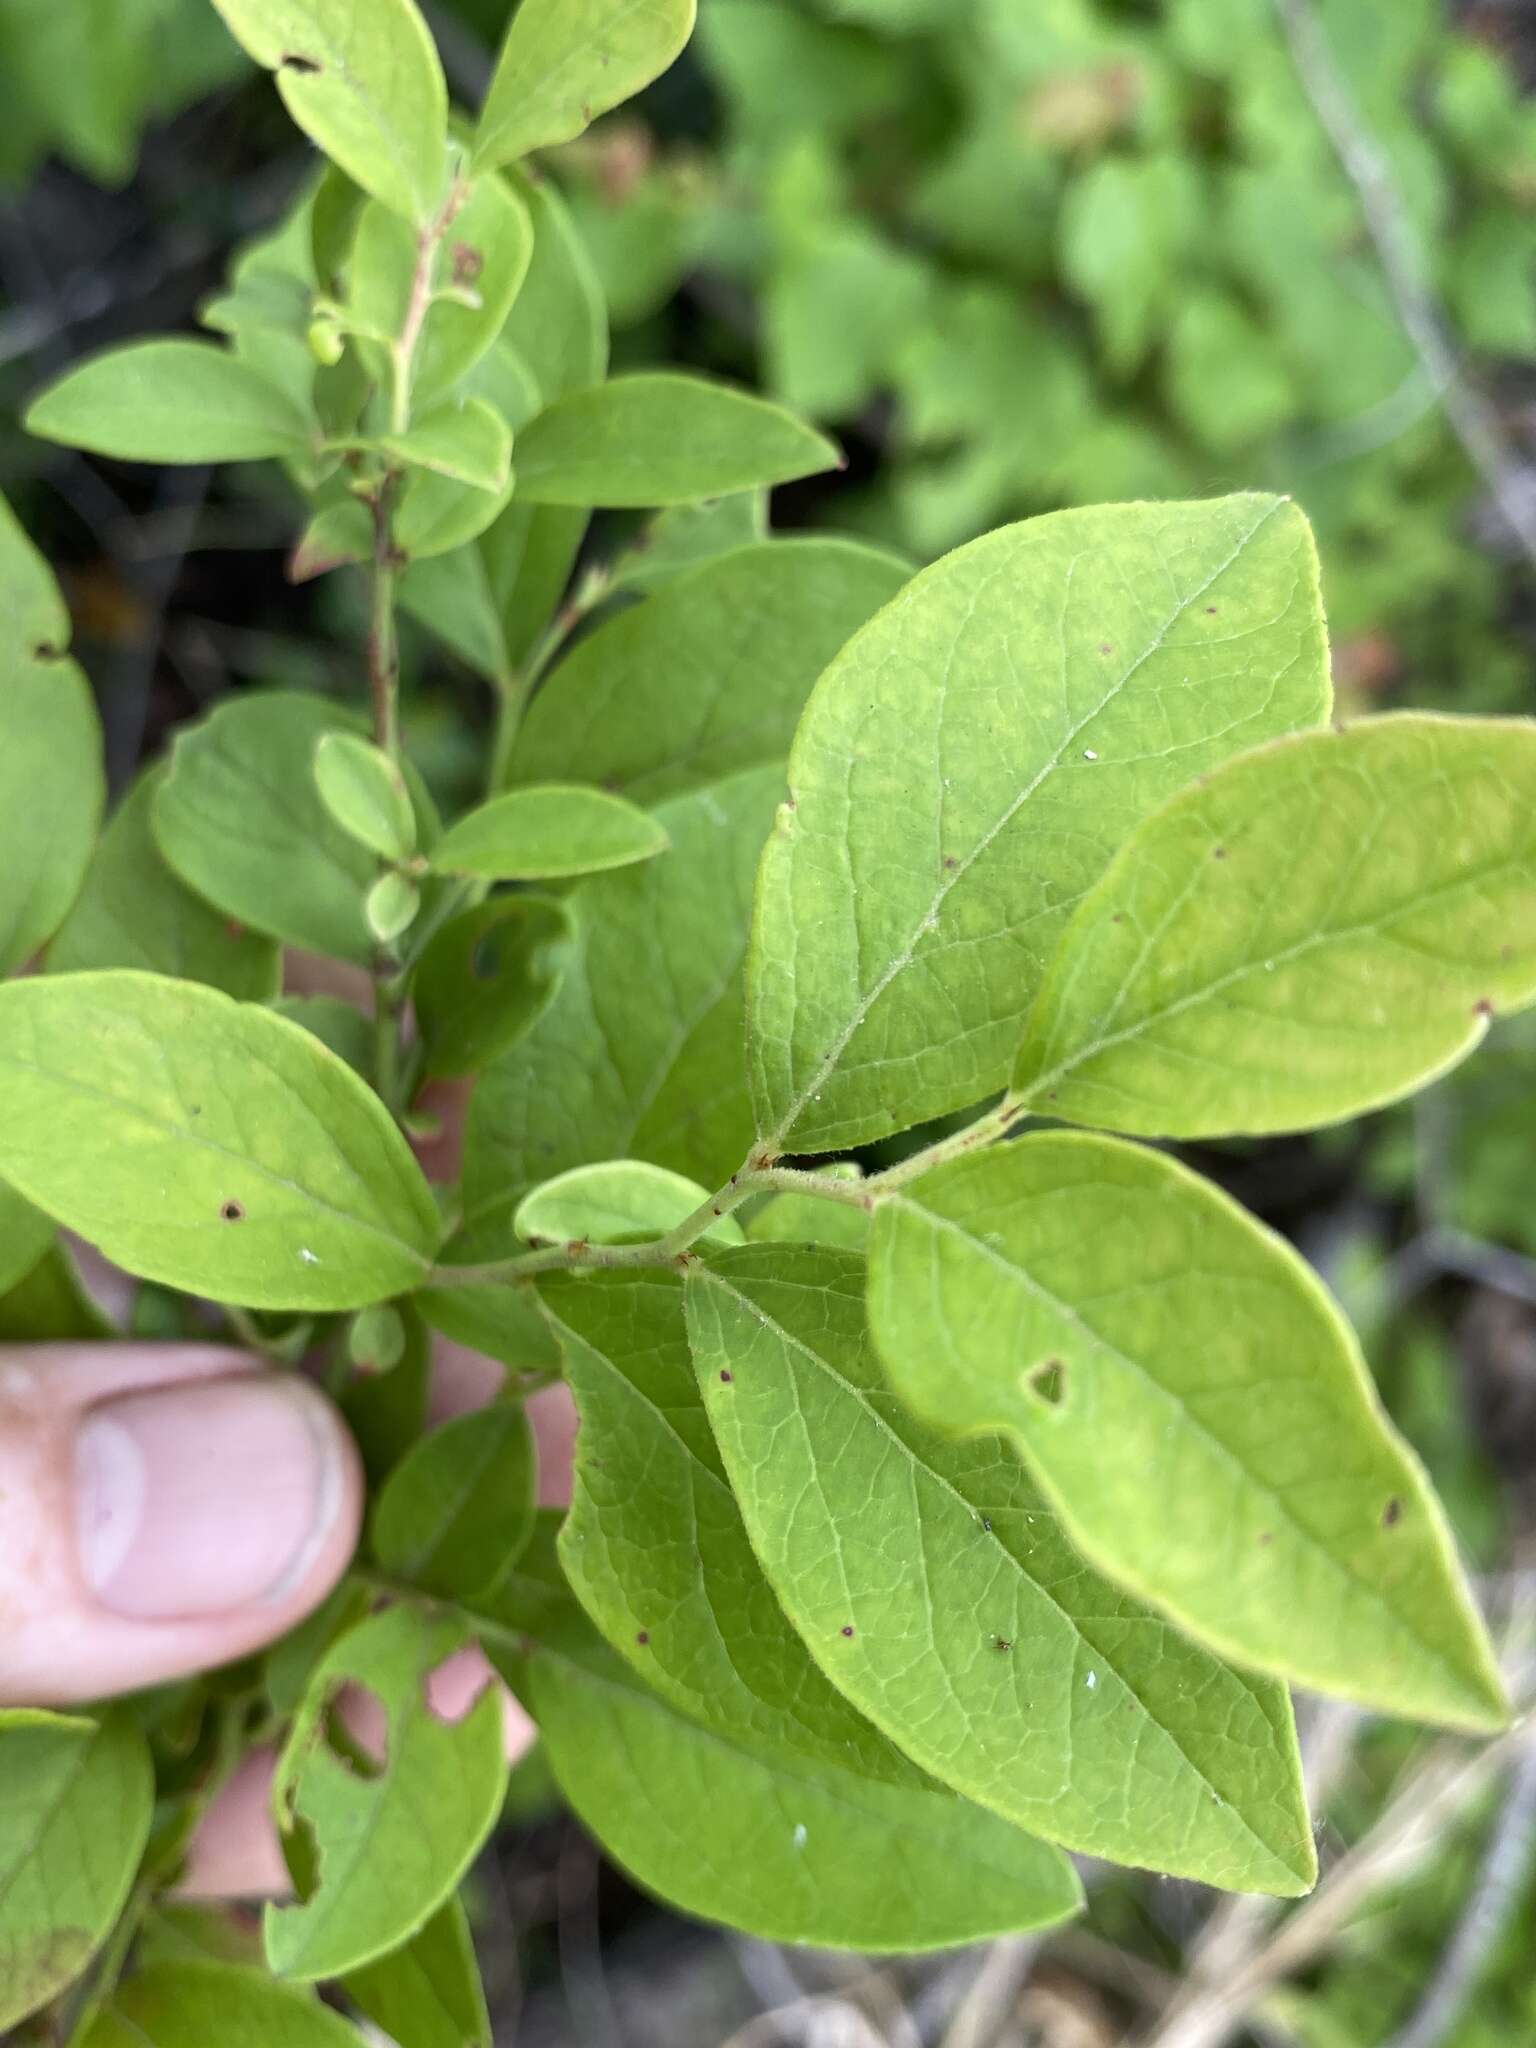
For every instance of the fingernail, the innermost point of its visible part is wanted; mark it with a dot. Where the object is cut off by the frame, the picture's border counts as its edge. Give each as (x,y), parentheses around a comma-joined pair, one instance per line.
(206,1498)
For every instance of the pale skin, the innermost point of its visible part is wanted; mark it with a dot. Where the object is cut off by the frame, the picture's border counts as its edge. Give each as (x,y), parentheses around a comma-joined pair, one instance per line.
(168,1508)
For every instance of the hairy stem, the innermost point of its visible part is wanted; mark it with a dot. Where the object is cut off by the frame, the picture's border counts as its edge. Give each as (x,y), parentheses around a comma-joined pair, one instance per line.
(755,1177)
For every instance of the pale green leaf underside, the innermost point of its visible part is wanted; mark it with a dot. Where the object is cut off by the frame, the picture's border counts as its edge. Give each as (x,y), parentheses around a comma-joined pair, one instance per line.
(564,62)
(208,1144)
(981,1642)
(709,675)
(967,767)
(548,833)
(614,1199)
(195,2004)
(362,79)
(656,438)
(1194,1406)
(75,1801)
(1317,929)
(133,910)
(785,1849)
(640,1052)
(170,401)
(393,1847)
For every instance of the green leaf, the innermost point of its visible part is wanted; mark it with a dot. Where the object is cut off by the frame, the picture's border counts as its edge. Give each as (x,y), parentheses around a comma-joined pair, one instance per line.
(338,536)
(487,977)
(483,256)
(74,1816)
(51,1305)
(25,1235)
(787,1849)
(980,1642)
(548,833)
(451,595)
(365,793)
(170,401)
(207,1144)
(387,1411)
(51,782)
(655,1549)
(337,1024)
(36,618)
(427,1994)
(640,1052)
(1193,1405)
(458,1508)
(566,61)
(193,2004)
(376,1339)
(558,323)
(438,513)
(134,911)
(686,536)
(656,438)
(1316,929)
(393,1845)
(502,1322)
(612,1201)
(707,677)
(362,79)
(968,765)
(241,821)
(463,439)
(390,907)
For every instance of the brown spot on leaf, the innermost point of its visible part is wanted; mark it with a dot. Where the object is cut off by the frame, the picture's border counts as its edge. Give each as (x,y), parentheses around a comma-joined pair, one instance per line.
(642,1636)
(725,1378)
(291,60)
(1047,1382)
(1392,1513)
(1482,1008)
(848,1628)
(232,1212)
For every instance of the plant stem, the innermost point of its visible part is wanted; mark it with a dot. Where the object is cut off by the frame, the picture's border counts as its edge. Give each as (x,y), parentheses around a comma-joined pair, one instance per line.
(388,1031)
(755,1177)
(383,645)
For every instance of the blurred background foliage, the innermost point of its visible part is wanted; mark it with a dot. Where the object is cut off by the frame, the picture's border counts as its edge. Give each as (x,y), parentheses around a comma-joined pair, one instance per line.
(1017,254)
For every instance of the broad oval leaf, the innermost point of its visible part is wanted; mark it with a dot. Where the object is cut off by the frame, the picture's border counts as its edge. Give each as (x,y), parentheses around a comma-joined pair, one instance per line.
(566,61)
(241,821)
(612,1200)
(75,1800)
(362,79)
(207,1144)
(1315,929)
(193,2004)
(784,1848)
(1194,1406)
(34,618)
(934,1587)
(487,977)
(458,1508)
(640,1052)
(968,765)
(438,513)
(170,401)
(709,675)
(656,438)
(549,833)
(392,1846)
(133,910)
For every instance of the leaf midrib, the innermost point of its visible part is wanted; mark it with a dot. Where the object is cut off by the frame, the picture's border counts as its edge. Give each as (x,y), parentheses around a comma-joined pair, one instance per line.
(951,881)
(947,1486)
